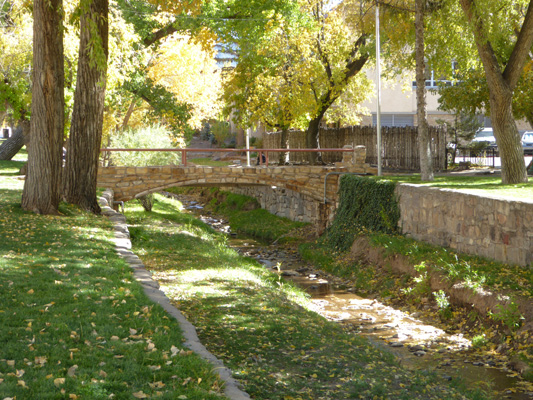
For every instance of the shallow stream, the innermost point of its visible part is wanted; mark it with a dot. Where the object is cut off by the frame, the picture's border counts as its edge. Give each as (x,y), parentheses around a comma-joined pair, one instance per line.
(417,345)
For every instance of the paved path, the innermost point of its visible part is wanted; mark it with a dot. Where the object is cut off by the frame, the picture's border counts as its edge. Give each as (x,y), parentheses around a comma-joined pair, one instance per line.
(232,388)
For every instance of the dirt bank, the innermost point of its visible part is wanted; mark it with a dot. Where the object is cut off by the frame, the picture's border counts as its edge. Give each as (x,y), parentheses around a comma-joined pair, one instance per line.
(500,310)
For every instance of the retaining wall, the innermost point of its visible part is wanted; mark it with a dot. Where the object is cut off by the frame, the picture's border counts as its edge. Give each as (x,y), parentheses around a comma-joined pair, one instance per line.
(283,202)
(495,228)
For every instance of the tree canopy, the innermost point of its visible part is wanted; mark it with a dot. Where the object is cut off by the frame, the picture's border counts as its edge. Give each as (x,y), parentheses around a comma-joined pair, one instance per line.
(495,38)
(16,60)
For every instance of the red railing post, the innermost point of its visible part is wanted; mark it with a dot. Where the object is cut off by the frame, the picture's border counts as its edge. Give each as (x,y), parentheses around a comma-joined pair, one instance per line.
(260,152)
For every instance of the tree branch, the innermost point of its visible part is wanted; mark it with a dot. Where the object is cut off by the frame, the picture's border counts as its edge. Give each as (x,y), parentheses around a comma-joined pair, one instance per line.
(160,34)
(485,50)
(513,70)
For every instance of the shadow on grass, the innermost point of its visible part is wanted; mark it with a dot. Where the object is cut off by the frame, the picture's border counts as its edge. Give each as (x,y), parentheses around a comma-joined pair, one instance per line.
(10,168)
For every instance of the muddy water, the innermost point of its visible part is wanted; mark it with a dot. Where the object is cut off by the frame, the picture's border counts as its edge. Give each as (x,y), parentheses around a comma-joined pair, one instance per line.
(416,344)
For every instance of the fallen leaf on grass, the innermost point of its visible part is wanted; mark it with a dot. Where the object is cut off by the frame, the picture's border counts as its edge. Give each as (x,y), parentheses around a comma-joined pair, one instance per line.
(157,385)
(41,360)
(21,383)
(72,370)
(174,350)
(140,395)
(150,347)
(59,381)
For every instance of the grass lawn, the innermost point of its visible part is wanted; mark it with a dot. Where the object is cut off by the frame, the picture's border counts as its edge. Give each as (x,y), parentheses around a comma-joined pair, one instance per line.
(209,162)
(483,185)
(259,325)
(73,322)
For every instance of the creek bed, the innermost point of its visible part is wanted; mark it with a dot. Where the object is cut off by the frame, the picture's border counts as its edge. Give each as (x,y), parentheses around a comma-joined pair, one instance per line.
(417,345)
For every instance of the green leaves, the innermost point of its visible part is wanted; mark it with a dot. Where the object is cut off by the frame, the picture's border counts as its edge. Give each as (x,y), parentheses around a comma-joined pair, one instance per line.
(364,205)
(164,104)
(155,137)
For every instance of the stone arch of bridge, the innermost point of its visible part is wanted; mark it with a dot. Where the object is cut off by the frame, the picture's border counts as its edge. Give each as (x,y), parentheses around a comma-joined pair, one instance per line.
(315,195)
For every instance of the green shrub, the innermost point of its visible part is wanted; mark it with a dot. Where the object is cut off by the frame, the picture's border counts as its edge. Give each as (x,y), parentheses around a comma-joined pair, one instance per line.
(221,132)
(152,137)
(365,205)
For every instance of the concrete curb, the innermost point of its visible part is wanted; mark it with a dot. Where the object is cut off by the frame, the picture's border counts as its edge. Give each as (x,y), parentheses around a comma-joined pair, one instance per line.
(123,247)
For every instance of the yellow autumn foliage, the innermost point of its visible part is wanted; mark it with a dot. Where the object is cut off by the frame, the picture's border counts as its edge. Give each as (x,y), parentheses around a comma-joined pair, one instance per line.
(188,69)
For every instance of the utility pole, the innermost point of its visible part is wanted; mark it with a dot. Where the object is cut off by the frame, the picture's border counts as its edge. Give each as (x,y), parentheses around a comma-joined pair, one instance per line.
(378,84)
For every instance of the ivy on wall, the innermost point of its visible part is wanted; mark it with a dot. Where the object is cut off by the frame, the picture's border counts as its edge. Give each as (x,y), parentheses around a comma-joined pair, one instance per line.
(365,205)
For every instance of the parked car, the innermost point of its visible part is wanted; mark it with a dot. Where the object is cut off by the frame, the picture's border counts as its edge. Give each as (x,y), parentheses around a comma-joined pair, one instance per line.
(527,142)
(485,135)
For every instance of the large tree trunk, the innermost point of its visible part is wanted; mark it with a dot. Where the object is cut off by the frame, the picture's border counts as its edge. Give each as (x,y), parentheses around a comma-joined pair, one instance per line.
(41,188)
(424,141)
(501,86)
(81,167)
(507,136)
(12,146)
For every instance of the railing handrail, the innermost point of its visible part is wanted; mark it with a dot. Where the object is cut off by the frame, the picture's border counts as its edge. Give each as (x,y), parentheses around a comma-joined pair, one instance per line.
(209,150)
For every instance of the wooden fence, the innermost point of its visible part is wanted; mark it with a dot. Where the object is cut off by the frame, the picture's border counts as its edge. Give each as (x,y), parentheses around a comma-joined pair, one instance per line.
(399,145)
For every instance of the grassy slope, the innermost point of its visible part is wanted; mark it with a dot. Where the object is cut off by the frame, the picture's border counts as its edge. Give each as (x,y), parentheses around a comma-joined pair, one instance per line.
(255,322)
(73,322)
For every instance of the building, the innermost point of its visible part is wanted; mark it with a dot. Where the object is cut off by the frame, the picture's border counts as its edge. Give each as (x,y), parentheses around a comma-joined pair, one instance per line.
(398,103)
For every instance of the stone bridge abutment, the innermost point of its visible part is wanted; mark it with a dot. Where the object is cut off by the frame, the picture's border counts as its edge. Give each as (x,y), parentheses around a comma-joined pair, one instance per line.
(318,184)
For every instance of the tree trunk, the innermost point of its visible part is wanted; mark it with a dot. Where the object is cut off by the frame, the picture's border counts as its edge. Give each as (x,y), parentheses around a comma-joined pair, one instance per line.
(41,188)
(312,139)
(3,114)
(12,146)
(529,118)
(81,167)
(424,142)
(507,137)
(501,86)
(127,117)
(284,157)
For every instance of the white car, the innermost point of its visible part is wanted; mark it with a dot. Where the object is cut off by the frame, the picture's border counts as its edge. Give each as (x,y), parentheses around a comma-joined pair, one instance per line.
(485,135)
(527,142)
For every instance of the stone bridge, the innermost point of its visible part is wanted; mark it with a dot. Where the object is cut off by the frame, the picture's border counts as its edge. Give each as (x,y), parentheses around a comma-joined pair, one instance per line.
(319,183)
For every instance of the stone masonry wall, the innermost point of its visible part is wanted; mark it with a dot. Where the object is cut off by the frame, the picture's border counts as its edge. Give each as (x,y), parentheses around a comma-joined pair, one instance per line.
(495,228)
(283,202)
